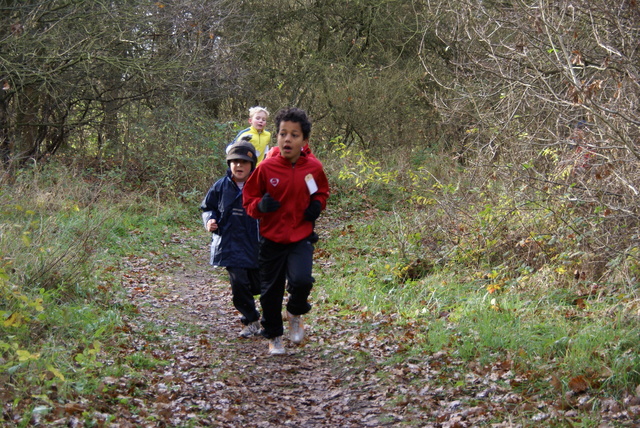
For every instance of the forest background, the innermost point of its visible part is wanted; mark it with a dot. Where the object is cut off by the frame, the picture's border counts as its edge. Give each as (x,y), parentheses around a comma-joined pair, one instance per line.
(492,143)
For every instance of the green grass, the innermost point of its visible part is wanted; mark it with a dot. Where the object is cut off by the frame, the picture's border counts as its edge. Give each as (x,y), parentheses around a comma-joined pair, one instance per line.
(62,241)
(62,245)
(543,327)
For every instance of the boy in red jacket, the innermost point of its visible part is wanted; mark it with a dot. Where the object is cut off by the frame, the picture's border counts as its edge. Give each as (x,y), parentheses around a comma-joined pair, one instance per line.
(286,193)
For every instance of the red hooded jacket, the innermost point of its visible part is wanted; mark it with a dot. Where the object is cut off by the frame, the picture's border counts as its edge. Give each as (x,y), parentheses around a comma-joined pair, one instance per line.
(286,183)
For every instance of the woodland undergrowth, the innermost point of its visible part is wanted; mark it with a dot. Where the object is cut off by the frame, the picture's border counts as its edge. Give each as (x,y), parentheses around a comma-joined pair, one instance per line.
(497,260)
(491,270)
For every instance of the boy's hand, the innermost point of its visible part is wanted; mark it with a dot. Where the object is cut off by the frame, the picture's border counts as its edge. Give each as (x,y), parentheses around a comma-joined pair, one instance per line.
(268,204)
(313,210)
(212,225)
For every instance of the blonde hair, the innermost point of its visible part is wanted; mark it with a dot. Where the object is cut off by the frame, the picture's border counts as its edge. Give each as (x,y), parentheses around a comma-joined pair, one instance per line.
(257,109)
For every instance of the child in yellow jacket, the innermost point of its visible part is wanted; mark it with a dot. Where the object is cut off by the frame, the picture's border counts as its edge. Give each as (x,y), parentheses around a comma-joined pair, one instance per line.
(260,137)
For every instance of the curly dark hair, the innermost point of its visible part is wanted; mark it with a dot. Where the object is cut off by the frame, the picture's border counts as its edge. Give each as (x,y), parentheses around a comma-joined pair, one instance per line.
(294,114)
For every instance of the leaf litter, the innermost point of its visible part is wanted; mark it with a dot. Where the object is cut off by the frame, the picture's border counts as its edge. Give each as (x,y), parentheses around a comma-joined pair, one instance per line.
(185,366)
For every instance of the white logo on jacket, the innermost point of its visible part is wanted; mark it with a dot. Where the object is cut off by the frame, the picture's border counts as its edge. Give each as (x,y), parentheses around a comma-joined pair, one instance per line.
(274,181)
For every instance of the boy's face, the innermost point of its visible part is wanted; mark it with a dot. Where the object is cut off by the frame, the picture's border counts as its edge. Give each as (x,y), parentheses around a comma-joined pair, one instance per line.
(259,120)
(240,169)
(290,140)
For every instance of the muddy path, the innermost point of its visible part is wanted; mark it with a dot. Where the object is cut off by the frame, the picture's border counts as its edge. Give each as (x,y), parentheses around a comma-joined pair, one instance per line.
(204,374)
(190,368)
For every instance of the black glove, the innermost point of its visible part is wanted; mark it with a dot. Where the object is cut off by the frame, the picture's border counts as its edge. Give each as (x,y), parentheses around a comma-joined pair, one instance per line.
(268,204)
(313,210)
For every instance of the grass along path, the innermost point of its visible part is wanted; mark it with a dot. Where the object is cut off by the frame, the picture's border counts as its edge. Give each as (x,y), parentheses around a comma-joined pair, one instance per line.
(177,361)
(355,369)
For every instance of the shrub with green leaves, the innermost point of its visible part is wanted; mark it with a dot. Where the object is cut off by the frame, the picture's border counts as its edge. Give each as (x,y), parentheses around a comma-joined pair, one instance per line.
(51,252)
(495,271)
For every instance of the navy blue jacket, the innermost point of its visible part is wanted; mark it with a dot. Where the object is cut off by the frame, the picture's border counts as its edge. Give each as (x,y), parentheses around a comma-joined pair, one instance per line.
(235,243)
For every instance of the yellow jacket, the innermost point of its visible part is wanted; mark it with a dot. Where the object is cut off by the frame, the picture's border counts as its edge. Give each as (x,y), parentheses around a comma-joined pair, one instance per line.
(260,141)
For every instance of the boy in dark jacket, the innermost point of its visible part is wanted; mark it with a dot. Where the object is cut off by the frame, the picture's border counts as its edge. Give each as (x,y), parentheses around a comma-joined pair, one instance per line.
(286,193)
(235,238)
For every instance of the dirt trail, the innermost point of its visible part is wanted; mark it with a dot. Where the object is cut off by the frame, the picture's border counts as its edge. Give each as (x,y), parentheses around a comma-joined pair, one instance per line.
(351,371)
(216,378)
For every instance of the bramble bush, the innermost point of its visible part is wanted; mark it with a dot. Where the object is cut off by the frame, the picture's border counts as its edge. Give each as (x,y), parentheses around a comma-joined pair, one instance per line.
(490,253)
